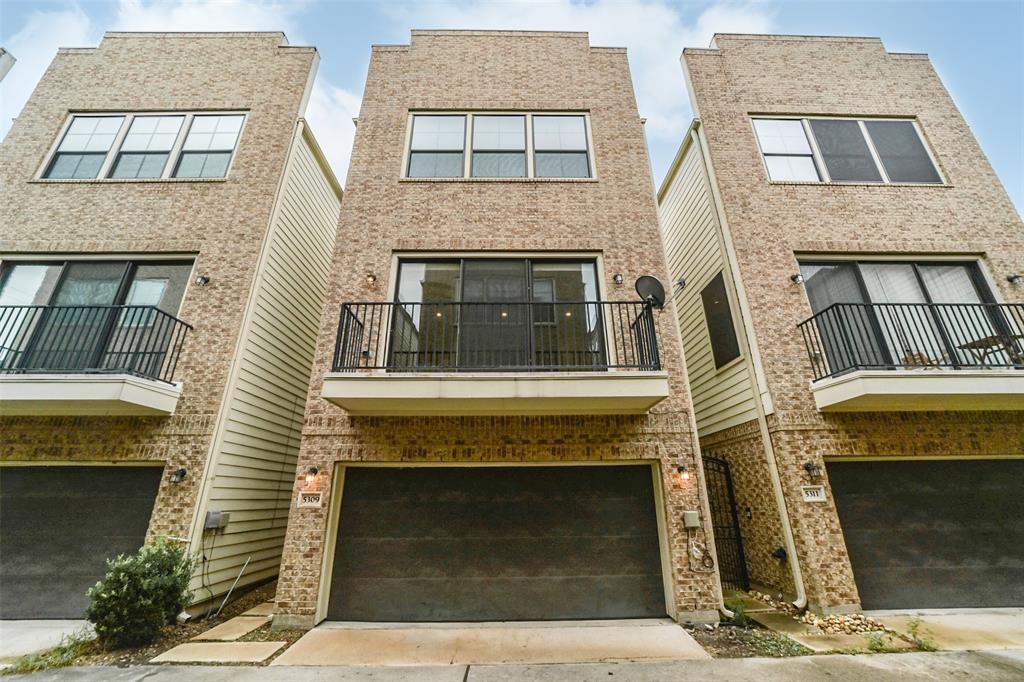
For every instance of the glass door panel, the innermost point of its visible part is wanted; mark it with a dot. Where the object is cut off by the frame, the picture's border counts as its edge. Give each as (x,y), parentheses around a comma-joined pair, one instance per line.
(978,336)
(425,320)
(567,327)
(69,338)
(912,333)
(29,284)
(849,335)
(494,336)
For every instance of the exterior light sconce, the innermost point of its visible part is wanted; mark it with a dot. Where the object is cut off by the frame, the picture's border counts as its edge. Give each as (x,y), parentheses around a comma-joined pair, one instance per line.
(797,278)
(683,471)
(681,282)
(371,279)
(618,279)
(1015,279)
(311,473)
(813,470)
(202,280)
(780,554)
(179,475)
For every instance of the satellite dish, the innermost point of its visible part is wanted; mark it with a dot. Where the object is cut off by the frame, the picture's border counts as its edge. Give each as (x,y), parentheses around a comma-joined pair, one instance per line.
(651,290)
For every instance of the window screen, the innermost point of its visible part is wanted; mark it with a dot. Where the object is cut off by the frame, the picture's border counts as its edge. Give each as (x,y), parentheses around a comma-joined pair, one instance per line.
(437,147)
(85,145)
(499,147)
(902,154)
(844,151)
(725,346)
(560,147)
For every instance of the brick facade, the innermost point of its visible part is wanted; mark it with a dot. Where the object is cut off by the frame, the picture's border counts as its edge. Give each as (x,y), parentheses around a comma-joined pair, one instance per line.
(221,223)
(613,215)
(770,223)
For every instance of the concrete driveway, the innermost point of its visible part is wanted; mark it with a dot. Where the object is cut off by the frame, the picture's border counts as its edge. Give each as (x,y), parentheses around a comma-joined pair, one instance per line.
(20,637)
(961,629)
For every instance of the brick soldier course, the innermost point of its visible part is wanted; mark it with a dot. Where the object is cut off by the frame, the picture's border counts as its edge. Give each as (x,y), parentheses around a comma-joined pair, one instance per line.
(613,215)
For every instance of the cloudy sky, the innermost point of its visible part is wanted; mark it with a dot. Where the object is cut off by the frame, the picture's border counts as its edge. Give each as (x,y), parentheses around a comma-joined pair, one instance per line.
(977,47)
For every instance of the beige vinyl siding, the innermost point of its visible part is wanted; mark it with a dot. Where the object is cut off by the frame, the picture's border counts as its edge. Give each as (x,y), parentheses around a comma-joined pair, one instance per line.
(693,244)
(256,451)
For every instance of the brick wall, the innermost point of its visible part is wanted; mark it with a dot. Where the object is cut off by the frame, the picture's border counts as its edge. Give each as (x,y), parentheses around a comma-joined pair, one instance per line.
(221,222)
(772,222)
(614,215)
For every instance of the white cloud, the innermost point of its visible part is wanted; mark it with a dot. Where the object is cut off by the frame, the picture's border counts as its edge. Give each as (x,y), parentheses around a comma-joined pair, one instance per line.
(330,113)
(34,46)
(654,31)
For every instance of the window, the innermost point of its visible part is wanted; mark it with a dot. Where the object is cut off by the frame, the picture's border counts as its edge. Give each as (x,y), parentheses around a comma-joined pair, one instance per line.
(560,147)
(85,147)
(787,154)
(208,147)
(844,150)
(145,146)
(501,146)
(725,346)
(437,147)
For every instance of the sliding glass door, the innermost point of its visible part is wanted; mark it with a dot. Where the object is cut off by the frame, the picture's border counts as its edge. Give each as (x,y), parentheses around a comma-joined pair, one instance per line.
(497,314)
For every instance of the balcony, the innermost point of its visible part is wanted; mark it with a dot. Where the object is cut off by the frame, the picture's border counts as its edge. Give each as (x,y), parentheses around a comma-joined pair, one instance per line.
(916,356)
(508,358)
(89,360)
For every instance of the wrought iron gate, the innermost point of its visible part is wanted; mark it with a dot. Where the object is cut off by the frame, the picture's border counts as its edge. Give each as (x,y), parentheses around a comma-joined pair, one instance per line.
(731,563)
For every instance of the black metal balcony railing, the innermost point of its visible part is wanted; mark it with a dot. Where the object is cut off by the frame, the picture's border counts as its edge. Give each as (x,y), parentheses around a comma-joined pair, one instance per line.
(849,336)
(85,339)
(507,337)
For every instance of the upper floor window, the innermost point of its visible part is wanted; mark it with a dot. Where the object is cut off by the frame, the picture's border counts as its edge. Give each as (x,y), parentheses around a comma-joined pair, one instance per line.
(725,345)
(501,146)
(845,150)
(141,146)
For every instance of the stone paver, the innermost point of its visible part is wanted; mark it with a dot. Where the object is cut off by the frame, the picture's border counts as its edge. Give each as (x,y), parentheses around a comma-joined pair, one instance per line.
(264,609)
(476,645)
(230,630)
(219,652)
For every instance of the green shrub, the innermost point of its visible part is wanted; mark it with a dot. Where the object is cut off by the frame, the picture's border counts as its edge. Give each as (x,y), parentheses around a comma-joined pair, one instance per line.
(739,612)
(141,593)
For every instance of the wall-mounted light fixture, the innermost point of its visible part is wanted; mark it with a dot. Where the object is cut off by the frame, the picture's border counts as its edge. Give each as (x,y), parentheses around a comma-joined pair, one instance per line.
(202,280)
(179,475)
(813,470)
(797,278)
(311,473)
(371,279)
(618,279)
(681,282)
(683,471)
(1015,279)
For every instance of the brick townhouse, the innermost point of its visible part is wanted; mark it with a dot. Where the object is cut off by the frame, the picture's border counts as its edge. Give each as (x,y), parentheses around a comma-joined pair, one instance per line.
(167,227)
(498,425)
(853,324)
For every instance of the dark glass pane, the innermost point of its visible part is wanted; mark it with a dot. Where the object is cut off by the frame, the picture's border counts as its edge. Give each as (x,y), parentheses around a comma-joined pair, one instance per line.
(561,165)
(725,346)
(843,336)
(435,165)
(22,284)
(902,154)
(203,165)
(425,325)
(494,336)
(845,151)
(499,164)
(567,332)
(132,165)
(75,166)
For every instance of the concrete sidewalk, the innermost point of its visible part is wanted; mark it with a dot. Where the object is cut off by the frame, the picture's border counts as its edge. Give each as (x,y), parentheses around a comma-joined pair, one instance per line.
(991,666)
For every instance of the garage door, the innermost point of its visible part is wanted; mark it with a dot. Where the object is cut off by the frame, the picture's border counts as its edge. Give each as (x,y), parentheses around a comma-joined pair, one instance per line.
(933,534)
(497,543)
(58,526)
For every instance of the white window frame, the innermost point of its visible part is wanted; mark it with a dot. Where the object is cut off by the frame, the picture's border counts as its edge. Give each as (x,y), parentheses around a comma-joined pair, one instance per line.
(115,148)
(467,148)
(819,161)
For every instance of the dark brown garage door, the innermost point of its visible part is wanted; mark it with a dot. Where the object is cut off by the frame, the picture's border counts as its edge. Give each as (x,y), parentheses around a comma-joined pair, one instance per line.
(497,543)
(933,534)
(59,525)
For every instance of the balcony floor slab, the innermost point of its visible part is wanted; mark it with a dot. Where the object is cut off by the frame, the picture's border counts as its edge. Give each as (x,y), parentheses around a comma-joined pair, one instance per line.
(85,394)
(918,390)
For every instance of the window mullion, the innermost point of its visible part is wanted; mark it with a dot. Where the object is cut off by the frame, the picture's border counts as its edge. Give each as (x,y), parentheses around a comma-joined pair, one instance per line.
(467,148)
(115,147)
(179,142)
(874,152)
(816,158)
(529,146)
